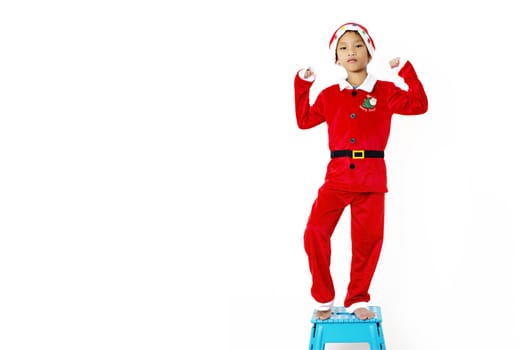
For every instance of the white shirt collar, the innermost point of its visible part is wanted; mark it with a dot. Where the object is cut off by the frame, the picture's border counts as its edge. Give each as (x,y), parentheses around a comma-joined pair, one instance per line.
(367,85)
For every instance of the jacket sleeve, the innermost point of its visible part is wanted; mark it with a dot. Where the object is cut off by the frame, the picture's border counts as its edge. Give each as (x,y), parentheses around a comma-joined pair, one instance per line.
(411,102)
(307,116)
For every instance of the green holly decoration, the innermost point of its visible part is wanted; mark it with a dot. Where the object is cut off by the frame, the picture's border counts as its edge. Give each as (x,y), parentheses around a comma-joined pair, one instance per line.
(369,102)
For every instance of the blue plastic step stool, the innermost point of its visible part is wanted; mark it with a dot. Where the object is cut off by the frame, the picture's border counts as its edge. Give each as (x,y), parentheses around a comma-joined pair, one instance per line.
(343,327)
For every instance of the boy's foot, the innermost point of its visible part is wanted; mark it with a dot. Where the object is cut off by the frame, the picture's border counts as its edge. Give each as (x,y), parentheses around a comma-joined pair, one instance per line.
(323,314)
(363,313)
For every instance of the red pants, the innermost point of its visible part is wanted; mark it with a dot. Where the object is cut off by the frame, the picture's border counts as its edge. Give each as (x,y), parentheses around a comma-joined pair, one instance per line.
(367,224)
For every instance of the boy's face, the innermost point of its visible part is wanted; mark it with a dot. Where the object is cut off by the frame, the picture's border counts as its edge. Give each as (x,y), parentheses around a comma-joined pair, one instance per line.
(351,52)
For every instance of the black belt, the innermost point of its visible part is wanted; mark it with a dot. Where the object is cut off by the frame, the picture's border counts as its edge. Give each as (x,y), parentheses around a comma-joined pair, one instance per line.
(357,154)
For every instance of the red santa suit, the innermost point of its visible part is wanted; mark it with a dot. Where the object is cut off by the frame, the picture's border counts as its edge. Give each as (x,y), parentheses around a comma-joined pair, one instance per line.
(358,121)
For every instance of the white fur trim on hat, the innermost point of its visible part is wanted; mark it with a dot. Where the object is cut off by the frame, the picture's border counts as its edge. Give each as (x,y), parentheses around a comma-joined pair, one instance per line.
(352,27)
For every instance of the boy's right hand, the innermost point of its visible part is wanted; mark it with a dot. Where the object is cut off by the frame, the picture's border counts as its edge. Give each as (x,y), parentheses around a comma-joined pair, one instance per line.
(309,73)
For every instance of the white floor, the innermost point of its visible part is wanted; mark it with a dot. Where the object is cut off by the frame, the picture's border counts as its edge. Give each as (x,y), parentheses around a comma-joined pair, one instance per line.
(352,346)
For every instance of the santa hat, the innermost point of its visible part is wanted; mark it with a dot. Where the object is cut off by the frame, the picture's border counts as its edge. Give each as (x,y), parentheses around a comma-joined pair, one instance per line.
(352,27)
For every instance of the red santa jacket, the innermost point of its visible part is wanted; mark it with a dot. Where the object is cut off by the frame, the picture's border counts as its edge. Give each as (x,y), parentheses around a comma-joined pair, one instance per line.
(359,119)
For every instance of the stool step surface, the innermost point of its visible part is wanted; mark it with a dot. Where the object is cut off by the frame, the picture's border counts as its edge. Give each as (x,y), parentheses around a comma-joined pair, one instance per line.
(340,315)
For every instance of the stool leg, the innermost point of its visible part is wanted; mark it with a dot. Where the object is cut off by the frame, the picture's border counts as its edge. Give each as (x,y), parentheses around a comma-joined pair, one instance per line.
(312,337)
(377,341)
(316,338)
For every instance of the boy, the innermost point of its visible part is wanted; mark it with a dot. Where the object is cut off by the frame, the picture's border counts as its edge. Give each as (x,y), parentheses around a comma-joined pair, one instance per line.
(358,114)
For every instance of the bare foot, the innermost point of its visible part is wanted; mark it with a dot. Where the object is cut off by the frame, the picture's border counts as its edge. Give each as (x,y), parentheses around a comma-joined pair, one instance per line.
(323,315)
(363,313)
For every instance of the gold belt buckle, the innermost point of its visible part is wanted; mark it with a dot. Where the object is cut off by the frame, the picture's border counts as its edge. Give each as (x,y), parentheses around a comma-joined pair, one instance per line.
(359,154)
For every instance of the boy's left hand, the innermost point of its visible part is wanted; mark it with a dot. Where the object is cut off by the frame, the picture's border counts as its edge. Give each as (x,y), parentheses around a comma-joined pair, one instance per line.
(395,62)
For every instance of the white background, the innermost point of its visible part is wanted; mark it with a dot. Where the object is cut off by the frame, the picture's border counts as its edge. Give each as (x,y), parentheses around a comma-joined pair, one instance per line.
(154,186)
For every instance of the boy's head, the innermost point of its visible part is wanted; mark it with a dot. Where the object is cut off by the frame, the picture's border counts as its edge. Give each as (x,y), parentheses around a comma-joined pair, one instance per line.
(367,39)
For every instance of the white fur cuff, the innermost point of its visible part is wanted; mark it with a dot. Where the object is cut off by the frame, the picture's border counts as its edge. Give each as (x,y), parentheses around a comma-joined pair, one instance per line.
(351,309)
